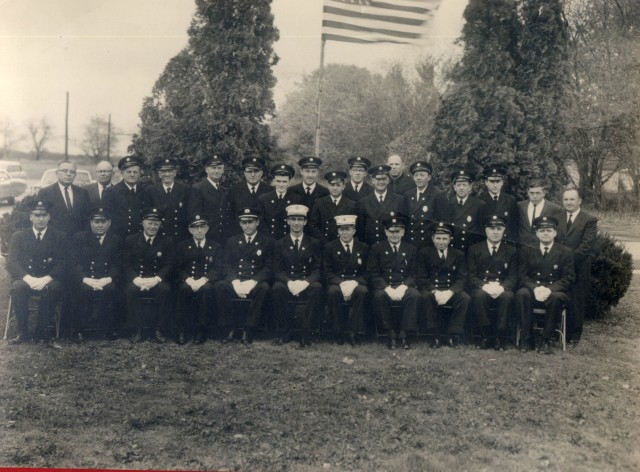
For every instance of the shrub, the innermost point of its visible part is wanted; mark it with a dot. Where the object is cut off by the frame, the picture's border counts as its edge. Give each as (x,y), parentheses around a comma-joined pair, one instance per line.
(611,273)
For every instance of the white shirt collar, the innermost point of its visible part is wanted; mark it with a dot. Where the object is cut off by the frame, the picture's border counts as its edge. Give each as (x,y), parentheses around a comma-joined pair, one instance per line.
(312,187)
(336,199)
(573,214)
(497,195)
(299,238)
(204,241)
(549,246)
(445,252)
(490,245)
(249,186)
(35,232)
(539,206)
(464,200)
(130,187)
(215,184)
(383,195)
(165,187)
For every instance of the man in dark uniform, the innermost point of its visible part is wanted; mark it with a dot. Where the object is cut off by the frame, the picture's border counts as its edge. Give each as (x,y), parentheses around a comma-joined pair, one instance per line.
(392,271)
(322,224)
(420,204)
(376,206)
(463,211)
(247,272)
(199,267)
(126,198)
(528,210)
(148,261)
(245,194)
(69,203)
(95,274)
(36,264)
(357,188)
(442,276)
(104,174)
(399,183)
(172,199)
(493,275)
(209,199)
(309,189)
(297,264)
(577,230)
(345,270)
(499,202)
(546,273)
(273,205)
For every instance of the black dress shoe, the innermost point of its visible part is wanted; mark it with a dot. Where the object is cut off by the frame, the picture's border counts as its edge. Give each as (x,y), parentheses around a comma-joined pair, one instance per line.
(435,344)
(454,340)
(405,344)
(247,339)
(229,338)
(497,345)
(351,339)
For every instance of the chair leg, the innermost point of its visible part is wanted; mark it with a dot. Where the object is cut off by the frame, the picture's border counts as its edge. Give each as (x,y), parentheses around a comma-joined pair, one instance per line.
(8,321)
(58,312)
(563,329)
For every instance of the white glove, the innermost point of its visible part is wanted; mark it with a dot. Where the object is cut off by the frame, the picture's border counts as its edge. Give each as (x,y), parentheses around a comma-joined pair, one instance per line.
(347,287)
(401,290)
(41,282)
(541,293)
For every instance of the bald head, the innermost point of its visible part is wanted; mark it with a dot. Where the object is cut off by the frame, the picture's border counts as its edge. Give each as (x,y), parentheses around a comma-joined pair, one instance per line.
(397,166)
(104,172)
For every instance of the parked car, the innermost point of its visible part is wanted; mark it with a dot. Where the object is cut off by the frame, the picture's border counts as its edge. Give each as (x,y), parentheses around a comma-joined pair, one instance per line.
(83,178)
(11,188)
(14,169)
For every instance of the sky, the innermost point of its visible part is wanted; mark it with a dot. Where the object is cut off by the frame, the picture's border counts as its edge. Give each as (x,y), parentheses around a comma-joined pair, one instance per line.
(108,54)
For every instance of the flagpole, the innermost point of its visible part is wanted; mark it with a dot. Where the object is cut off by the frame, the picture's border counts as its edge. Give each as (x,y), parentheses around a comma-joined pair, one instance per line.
(316,146)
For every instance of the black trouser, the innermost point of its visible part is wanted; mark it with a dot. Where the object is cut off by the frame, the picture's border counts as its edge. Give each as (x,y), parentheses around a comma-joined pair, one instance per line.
(49,298)
(383,313)
(194,310)
(158,318)
(281,295)
(230,318)
(87,301)
(459,302)
(355,317)
(481,301)
(553,308)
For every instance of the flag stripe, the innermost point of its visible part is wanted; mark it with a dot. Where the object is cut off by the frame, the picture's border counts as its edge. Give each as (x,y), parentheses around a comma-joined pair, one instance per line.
(407,8)
(392,19)
(351,39)
(352,27)
(374,24)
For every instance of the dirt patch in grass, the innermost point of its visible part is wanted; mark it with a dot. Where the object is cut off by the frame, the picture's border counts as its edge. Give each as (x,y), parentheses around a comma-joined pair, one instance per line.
(118,404)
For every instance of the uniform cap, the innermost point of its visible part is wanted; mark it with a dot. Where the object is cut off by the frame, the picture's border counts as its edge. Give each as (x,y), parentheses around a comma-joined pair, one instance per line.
(421,165)
(283,169)
(198,220)
(359,162)
(253,163)
(443,228)
(345,220)
(151,214)
(166,164)
(383,169)
(248,213)
(495,171)
(214,160)
(100,212)
(394,219)
(494,220)
(40,205)
(335,175)
(545,222)
(311,162)
(462,176)
(129,161)
(297,210)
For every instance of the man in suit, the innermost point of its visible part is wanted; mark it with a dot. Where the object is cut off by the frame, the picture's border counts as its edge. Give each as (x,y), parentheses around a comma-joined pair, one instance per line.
(297,264)
(464,211)
(420,205)
(498,202)
(199,267)
(69,203)
(577,230)
(392,271)
(36,264)
(172,199)
(246,273)
(546,273)
(493,275)
(322,224)
(309,189)
(272,205)
(399,182)
(245,194)
(96,270)
(209,199)
(357,188)
(126,198)
(344,265)
(148,260)
(530,209)
(104,174)
(373,208)
(442,276)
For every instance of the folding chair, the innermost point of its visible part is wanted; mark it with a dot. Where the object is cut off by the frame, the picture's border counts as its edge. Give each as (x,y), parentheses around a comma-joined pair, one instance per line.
(34,301)
(539,313)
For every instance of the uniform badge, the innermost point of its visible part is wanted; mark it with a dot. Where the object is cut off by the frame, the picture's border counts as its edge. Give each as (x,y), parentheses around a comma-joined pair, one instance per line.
(469,219)
(425,209)
(259,252)
(339,253)
(555,267)
(159,254)
(506,213)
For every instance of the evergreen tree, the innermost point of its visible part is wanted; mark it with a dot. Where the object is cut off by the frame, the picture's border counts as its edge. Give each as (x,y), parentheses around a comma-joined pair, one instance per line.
(215,95)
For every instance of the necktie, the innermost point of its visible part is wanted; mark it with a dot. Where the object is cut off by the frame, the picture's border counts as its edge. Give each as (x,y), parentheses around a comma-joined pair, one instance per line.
(442,256)
(253,190)
(570,220)
(39,237)
(419,196)
(381,199)
(546,251)
(133,190)
(357,188)
(395,249)
(348,249)
(335,202)
(308,190)
(168,190)
(249,240)
(296,244)
(459,202)
(533,215)
(279,196)
(493,250)
(200,246)
(67,199)
(100,190)
(149,242)
(495,198)
(99,238)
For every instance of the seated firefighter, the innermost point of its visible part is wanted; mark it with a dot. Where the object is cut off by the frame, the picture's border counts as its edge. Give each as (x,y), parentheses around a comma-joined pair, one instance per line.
(442,275)
(345,263)
(36,264)
(95,273)
(199,267)
(148,263)
(246,272)
(392,270)
(493,275)
(546,273)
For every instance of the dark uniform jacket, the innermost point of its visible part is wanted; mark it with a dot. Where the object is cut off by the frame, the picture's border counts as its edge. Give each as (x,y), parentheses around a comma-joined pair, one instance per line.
(309,200)
(526,235)
(175,208)
(322,224)
(466,219)
(484,268)
(244,261)
(27,256)
(195,262)
(580,237)
(69,222)
(302,264)
(126,207)
(273,218)
(402,184)
(371,213)
(363,190)
(421,214)
(555,271)
(94,195)
(436,274)
(94,260)
(212,203)
(339,266)
(506,207)
(388,269)
(240,196)
(141,260)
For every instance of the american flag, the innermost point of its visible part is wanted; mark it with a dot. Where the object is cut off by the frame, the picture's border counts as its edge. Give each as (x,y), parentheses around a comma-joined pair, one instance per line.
(374,21)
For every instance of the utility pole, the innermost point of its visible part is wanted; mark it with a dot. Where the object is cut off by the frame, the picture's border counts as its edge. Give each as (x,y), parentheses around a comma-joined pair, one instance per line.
(109,139)
(66,132)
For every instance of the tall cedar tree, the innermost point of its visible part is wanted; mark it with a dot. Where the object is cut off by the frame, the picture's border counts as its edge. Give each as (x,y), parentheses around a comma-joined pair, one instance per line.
(489,115)
(215,95)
